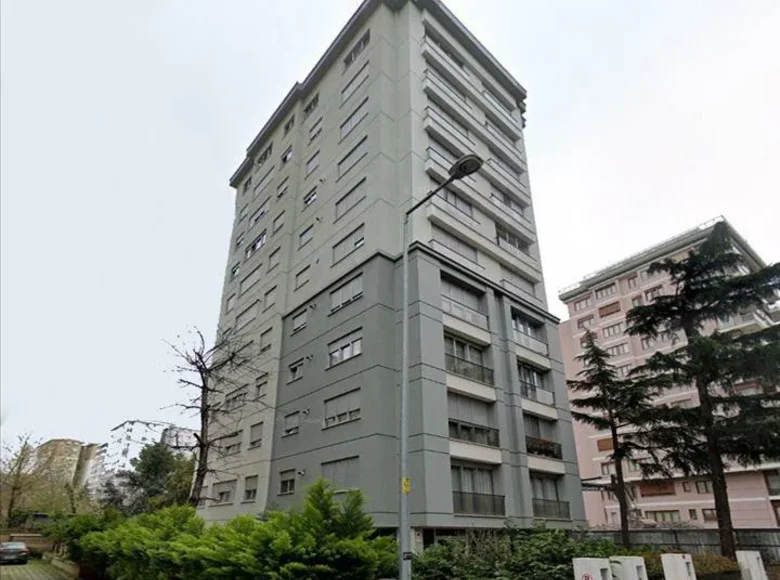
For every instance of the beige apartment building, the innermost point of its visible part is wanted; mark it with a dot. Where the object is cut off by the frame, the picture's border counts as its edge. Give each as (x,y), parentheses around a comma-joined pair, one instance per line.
(599,303)
(313,284)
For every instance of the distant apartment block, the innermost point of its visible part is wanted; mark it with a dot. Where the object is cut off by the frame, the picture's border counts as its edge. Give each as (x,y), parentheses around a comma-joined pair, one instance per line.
(599,303)
(313,288)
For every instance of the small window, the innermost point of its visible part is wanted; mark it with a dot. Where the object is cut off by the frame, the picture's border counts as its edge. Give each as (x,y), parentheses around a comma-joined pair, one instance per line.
(315,130)
(287,155)
(296,371)
(354,119)
(250,488)
(234,271)
(636,301)
(604,444)
(704,487)
(265,155)
(292,423)
(264,181)
(278,222)
(351,199)
(274,259)
(355,83)
(258,243)
(310,198)
(259,214)
(359,47)
(313,163)
(247,184)
(269,299)
(288,126)
(306,236)
(344,473)
(687,486)
(256,435)
(282,188)
(709,515)
(311,106)
(651,294)
(582,304)
(287,482)
(345,348)
(609,309)
(606,291)
(342,408)
(631,282)
(302,277)
(250,280)
(693,514)
(230,303)
(299,321)
(619,349)
(261,386)
(239,240)
(613,330)
(353,157)
(346,293)
(244,212)
(348,245)
(265,340)
(586,322)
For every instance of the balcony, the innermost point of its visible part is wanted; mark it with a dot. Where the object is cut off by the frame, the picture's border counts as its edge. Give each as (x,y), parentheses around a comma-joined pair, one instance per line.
(446,161)
(538,394)
(509,174)
(516,213)
(468,369)
(463,312)
(473,433)
(551,509)
(483,504)
(531,343)
(544,447)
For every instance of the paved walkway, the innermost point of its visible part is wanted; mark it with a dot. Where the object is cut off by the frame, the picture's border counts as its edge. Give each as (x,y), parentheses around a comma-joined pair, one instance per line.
(33,571)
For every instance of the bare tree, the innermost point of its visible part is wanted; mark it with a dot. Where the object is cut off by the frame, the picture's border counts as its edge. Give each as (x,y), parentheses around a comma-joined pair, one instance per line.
(19,472)
(212,375)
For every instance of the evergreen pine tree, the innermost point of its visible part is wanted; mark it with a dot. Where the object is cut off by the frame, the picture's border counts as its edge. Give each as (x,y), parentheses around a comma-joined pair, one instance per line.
(729,426)
(612,404)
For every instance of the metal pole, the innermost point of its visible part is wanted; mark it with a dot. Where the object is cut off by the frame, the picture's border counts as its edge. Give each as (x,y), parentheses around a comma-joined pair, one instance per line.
(404,553)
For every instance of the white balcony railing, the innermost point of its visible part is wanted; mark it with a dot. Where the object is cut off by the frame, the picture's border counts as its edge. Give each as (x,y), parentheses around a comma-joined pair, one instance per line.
(531,343)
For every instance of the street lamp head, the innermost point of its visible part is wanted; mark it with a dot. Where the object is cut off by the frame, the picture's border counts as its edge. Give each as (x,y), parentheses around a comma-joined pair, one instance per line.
(466,165)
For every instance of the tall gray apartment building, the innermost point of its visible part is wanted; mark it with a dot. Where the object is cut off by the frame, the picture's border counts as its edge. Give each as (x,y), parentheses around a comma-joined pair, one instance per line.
(314,281)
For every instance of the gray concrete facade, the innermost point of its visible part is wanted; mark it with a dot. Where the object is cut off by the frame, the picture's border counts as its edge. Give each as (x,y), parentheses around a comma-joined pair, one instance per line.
(403,89)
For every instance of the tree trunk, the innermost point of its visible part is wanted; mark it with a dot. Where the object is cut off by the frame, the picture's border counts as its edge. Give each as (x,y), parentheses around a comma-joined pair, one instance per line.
(202,468)
(620,489)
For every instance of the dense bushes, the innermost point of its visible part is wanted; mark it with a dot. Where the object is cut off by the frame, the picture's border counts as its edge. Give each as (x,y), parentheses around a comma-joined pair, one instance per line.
(327,539)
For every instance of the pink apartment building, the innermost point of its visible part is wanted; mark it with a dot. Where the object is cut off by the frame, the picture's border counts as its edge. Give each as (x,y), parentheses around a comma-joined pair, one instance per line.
(599,302)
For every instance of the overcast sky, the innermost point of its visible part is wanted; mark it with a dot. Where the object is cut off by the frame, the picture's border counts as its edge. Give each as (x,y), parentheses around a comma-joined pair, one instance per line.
(122,122)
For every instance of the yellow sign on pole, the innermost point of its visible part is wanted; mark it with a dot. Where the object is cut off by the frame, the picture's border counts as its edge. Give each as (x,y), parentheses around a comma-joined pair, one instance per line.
(406,485)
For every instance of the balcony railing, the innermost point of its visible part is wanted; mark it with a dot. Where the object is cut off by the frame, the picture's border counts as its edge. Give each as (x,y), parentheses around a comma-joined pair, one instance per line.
(505,169)
(548,508)
(465,502)
(468,369)
(530,391)
(473,433)
(446,161)
(463,312)
(512,249)
(530,342)
(516,214)
(537,446)
(449,122)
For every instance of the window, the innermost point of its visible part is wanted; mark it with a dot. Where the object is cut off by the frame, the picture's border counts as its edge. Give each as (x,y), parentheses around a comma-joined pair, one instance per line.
(496,159)
(292,423)
(236,399)
(351,199)
(250,488)
(468,479)
(287,155)
(532,384)
(505,237)
(647,343)
(315,130)
(247,184)
(250,280)
(299,321)
(269,298)
(539,428)
(622,371)
(265,155)
(703,487)
(355,83)
(583,304)
(636,301)
(244,212)
(256,435)
(462,350)
(259,214)
(273,259)
(311,106)
(231,443)
(344,473)
(302,277)
(287,482)
(445,48)
(431,72)
(278,222)
(261,386)
(496,130)
(527,326)
(652,293)
(359,47)
(693,514)
(609,309)
(506,200)
(345,348)
(462,302)
(709,515)
(687,486)
(296,371)
(224,491)
(256,244)
(604,444)
(619,349)
(348,245)
(265,340)
(663,515)
(289,125)
(282,188)
(310,198)
(230,303)
(246,316)
(353,157)
(454,244)
(454,200)
(608,468)
(442,153)
(360,113)
(655,488)
(263,183)
(613,330)
(346,293)
(631,282)
(584,323)
(632,465)
(306,236)
(313,163)
(605,291)
(239,240)
(520,282)
(342,408)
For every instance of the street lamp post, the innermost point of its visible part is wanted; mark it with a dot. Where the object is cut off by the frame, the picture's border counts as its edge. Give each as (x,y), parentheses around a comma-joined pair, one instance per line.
(464,166)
